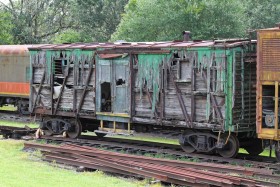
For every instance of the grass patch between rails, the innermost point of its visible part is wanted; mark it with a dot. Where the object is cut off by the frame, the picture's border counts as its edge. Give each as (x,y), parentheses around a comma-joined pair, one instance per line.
(264,153)
(19,169)
(149,138)
(134,137)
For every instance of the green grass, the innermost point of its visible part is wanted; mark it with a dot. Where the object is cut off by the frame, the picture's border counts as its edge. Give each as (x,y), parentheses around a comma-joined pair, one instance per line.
(19,169)
(264,153)
(149,138)
(8,107)
(18,124)
(141,137)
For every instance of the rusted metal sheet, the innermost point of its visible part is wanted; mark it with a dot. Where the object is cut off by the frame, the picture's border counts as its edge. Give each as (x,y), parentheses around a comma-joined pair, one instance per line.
(268,78)
(14,50)
(14,63)
(109,55)
(142,45)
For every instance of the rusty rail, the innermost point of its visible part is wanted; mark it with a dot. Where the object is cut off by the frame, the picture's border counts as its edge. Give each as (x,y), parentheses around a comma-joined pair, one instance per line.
(171,171)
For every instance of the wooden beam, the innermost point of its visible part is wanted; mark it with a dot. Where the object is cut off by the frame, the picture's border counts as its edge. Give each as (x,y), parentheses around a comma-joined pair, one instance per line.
(151,103)
(181,101)
(62,88)
(85,89)
(40,88)
(213,98)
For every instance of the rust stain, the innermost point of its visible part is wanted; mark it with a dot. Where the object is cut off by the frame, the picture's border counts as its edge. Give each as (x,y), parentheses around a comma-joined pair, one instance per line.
(15,50)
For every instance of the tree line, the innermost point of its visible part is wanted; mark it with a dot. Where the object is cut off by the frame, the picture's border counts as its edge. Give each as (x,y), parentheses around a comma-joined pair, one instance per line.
(68,21)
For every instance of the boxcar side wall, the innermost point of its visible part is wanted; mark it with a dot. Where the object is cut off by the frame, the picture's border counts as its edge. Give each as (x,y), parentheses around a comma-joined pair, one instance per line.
(204,88)
(63,82)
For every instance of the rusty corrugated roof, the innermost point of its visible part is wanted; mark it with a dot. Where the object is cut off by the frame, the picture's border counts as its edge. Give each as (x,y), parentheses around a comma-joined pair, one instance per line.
(15,50)
(146,45)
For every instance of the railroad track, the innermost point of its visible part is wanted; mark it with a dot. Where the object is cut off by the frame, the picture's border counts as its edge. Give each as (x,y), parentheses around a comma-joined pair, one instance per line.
(16,117)
(166,150)
(158,149)
(170,171)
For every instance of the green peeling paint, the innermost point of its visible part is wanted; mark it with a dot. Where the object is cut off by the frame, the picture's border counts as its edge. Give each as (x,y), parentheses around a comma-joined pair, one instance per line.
(149,73)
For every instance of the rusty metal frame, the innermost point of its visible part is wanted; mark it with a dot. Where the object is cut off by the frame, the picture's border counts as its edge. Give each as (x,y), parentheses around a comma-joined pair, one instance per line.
(133,51)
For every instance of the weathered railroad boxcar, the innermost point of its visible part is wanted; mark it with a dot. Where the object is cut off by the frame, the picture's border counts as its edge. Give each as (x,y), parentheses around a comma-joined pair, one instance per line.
(14,76)
(268,81)
(62,85)
(206,88)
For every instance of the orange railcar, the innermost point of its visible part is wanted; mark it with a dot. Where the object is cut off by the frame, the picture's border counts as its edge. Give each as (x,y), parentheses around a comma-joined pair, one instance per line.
(268,87)
(14,76)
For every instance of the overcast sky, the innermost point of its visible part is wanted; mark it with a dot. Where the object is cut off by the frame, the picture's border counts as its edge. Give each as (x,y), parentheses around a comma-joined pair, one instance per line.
(4,1)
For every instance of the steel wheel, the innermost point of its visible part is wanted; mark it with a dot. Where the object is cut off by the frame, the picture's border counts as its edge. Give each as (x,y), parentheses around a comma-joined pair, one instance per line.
(185,146)
(76,131)
(277,151)
(47,131)
(255,148)
(231,149)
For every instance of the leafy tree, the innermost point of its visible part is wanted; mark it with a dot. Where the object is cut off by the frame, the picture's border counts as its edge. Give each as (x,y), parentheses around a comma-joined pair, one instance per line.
(98,19)
(36,21)
(45,21)
(6,28)
(262,13)
(221,19)
(67,36)
(148,20)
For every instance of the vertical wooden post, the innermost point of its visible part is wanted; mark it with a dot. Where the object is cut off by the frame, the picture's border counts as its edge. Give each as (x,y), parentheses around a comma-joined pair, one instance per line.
(193,85)
(276,108)
(128,127)
(52,86)
(114,126)
(259,108)
(101,124)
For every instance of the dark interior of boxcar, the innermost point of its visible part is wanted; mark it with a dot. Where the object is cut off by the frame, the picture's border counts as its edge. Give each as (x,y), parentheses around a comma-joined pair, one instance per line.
(106,97)
(268,103)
